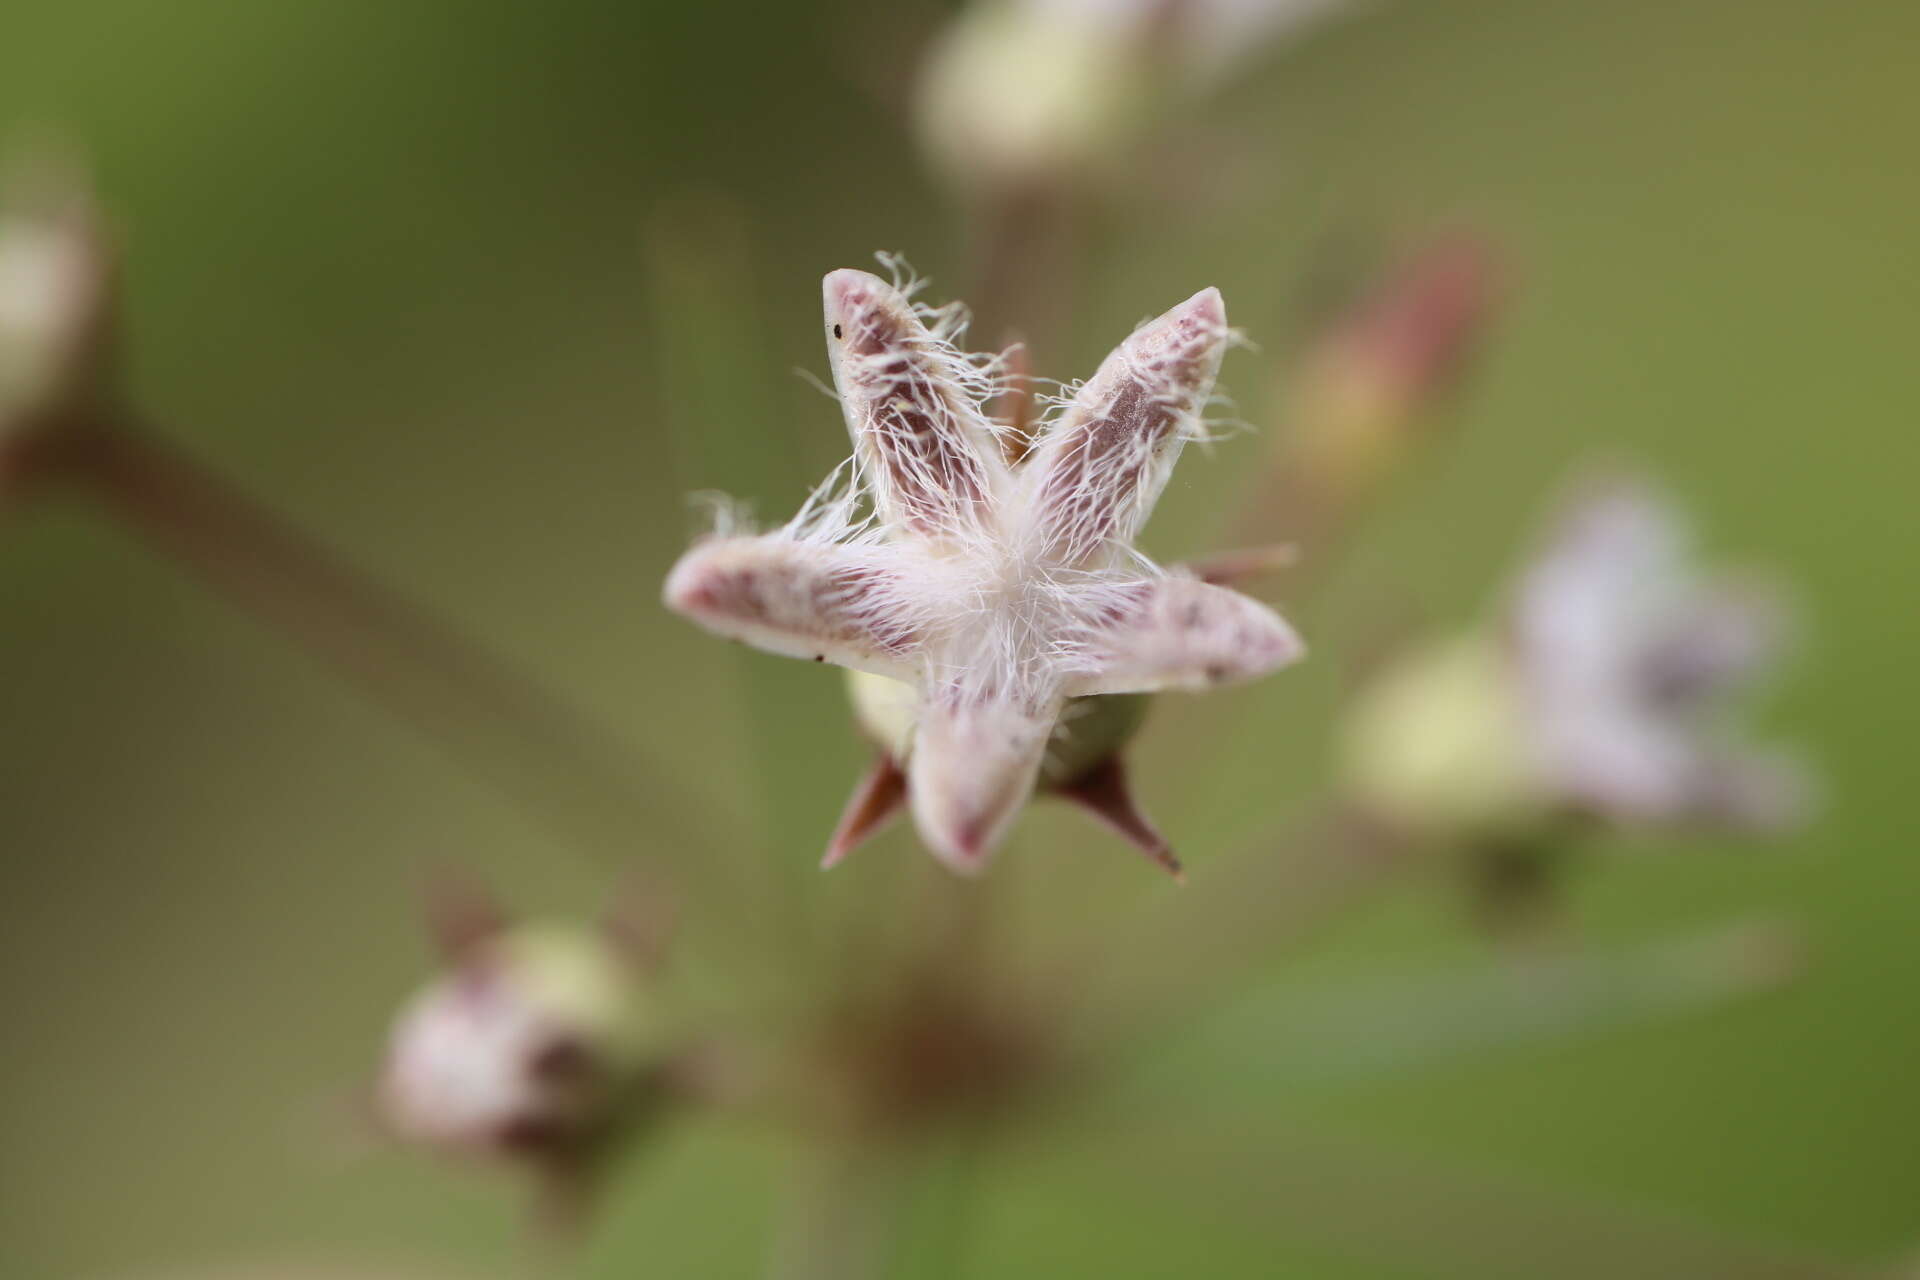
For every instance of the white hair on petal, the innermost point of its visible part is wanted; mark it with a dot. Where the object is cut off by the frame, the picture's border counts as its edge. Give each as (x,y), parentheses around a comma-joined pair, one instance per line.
(724,515)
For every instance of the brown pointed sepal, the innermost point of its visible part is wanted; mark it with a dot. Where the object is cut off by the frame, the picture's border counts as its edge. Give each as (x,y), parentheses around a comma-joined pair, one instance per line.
(882,793)
(1232,568)
(1103,792)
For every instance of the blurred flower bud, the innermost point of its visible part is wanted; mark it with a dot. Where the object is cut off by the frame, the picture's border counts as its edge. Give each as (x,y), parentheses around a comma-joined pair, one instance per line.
(1604,698)
(1015,93)
(55,274)
(1436,745)
(533,1045)
(1021,92)
(1358,398)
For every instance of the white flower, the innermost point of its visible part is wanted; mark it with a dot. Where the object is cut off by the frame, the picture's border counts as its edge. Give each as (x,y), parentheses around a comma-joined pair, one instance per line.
(998,593)
(1626,653)
(522,1048)
(1602,694)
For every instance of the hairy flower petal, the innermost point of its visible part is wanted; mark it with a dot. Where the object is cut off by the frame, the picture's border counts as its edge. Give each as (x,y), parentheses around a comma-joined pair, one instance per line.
(855,605)
(911,401)
(972,768)
(1099,469)
(1181,633)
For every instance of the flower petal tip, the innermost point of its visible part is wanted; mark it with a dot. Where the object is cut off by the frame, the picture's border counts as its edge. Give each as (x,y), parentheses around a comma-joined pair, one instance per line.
(850,289)
(1205,305)
(689,590)
(966,850)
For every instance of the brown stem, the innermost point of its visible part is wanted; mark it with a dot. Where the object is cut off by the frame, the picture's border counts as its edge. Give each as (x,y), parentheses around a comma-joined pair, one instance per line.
(492,717)
(1024,266)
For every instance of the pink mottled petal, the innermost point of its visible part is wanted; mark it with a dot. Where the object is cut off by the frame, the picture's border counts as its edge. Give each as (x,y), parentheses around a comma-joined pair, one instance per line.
(1180,633)
(855,606)
(925,446)
(972,769)
(1099,469)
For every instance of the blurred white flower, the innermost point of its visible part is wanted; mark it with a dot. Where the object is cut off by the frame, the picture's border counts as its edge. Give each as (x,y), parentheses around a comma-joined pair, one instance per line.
(53,299)
(1603,694)
(1628,652)
(997,592)
(526,1047)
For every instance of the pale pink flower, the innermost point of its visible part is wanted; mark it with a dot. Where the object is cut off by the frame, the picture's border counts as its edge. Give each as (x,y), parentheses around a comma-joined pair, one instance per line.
(1628,654)
(526,1046)
(997,592)
(1606,689)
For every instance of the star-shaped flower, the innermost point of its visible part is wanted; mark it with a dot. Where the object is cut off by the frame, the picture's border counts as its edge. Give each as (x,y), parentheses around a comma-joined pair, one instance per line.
(997,592)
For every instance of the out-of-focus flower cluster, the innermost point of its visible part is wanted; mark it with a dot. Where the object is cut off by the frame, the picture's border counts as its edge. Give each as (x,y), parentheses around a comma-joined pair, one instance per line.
(1602,691)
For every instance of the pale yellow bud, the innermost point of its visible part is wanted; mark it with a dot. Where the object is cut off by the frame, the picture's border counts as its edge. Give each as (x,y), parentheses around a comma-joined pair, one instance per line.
(885,711)
(1016,94)
(1437,745)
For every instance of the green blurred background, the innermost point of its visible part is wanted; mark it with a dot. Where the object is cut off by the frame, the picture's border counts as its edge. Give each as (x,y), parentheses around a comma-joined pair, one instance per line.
(477,292)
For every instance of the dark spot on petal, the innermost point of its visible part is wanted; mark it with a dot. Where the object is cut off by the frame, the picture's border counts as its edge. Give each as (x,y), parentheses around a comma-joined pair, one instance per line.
(837,332)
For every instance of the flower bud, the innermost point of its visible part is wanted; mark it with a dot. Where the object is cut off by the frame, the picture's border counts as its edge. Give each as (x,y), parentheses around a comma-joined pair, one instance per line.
(530,1046)
(54,299)
(884,710)
(1355,403)
(1020,93)
(1435,746)
(1014,94)
(1606,695)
